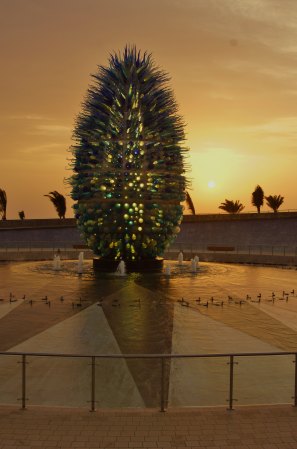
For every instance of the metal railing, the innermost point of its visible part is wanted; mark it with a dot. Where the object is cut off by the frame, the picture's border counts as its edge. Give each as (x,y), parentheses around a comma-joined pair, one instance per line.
(42,245)
(256,250)
(209,248)
(252,211)
(232,361)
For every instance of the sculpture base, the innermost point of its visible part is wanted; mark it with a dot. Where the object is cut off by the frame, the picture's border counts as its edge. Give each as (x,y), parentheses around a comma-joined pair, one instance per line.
(146,265)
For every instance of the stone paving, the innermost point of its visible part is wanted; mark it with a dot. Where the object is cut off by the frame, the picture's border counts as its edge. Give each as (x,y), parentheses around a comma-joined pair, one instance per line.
(273,427)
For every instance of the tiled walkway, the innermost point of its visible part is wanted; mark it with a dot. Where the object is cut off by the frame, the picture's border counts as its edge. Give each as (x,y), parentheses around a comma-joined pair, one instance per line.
(272,427)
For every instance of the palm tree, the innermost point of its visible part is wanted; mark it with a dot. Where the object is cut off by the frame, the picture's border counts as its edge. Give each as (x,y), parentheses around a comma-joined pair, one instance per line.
(231,207)
(59,202)
(3,203)
(190,203)
(258,198)
(22,215)
(274,202)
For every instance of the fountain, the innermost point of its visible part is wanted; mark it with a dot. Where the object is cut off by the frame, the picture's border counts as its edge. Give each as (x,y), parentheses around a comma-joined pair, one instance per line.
(57,263)
(193,266)
(180,258)
(167,270)
(196,258)
(80,263)
(121,268)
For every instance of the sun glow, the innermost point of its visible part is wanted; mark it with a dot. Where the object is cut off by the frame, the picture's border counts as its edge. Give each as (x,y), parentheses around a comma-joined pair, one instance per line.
(211,184)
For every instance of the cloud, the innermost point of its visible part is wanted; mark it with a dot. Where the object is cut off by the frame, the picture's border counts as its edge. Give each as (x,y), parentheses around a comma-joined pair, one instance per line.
(275,137)
(282,127)
(38,125)
(52,148)
(50,130)
(28,117)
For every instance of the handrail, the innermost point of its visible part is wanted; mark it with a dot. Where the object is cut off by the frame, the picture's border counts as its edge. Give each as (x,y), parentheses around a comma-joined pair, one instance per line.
(162,357)
(20,245)
(149,356)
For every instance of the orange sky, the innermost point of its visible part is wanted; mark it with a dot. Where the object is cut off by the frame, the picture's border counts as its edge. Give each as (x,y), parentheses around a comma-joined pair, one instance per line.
(233,65)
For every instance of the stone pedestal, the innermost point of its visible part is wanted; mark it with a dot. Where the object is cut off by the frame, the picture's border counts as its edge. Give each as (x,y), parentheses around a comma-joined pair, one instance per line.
(110,266)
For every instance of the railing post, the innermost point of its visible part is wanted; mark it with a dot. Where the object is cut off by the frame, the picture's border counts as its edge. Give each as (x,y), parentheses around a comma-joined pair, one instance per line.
(295,386)
(162,396)
(231,363)
(93,385)
(23,399)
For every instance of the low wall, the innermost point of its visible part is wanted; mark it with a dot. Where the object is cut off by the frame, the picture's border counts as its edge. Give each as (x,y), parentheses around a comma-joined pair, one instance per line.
(254,259)
(267,229)
(261,259)
(36,231)
(45,254)
(226,234)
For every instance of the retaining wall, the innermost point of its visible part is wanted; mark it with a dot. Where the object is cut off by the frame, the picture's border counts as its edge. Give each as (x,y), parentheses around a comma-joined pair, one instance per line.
(267,229)
(199,232)
(39,230)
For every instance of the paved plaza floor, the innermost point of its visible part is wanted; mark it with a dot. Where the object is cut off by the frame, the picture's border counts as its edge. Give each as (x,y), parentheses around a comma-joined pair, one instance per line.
(146,316)
(273,427)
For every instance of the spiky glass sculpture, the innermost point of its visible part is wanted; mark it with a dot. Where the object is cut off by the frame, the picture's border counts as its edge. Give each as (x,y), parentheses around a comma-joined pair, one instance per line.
(128,161)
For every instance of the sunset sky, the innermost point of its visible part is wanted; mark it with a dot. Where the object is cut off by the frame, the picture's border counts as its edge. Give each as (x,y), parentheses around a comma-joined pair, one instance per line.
(233,68)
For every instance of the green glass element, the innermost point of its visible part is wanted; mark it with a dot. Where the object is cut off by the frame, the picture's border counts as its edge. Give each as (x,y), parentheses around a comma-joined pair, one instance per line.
(128,160)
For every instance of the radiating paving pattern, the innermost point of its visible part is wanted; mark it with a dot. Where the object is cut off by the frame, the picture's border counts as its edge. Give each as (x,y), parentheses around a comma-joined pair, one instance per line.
(220,309)
(190,386)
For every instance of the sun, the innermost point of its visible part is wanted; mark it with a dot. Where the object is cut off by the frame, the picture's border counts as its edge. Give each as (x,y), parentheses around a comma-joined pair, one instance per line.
(211,184)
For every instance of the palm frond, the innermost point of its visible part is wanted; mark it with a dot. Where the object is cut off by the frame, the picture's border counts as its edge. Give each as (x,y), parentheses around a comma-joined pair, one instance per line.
(190,203)
(59,202)
(274,202)
(3,203)
(232,207)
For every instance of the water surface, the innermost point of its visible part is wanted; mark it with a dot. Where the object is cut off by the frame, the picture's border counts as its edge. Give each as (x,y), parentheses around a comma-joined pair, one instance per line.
(220,309)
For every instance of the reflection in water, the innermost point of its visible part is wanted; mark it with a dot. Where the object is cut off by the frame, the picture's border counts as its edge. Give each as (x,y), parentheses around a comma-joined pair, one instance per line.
(140,302)
(218,309)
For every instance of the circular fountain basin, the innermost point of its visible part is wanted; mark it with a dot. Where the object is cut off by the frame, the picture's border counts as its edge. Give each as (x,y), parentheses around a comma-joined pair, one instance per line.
(218,309)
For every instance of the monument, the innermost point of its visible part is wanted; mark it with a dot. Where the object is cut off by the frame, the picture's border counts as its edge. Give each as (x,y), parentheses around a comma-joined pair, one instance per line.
(128,162)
